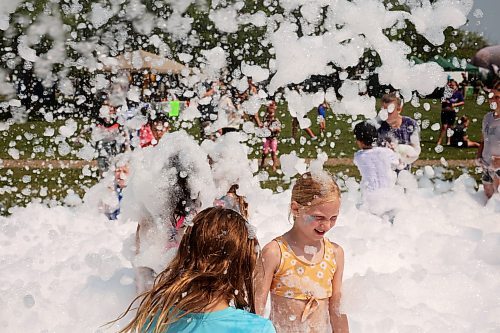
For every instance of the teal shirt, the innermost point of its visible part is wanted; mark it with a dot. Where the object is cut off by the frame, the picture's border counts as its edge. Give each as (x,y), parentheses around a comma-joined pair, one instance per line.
(229,320)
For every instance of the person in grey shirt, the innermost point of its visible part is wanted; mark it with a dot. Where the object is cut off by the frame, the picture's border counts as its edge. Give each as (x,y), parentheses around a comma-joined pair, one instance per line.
(488,155)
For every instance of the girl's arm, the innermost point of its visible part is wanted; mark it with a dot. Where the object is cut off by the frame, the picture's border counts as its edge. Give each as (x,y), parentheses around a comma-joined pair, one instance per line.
(338,320)
(265,270)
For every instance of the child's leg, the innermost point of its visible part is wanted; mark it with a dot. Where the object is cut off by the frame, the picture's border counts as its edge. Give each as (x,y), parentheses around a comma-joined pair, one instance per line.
(266,148)
(471,143)
(274,153)
(444,128)
(295,125)
(310,132)
(263,160)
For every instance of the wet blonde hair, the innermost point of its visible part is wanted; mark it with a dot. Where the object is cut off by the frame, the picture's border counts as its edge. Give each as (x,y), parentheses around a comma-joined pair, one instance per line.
(216,261)
(319,186)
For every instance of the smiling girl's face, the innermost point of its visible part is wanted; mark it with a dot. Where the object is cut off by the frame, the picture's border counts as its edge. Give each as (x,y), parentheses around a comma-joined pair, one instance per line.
(316,220)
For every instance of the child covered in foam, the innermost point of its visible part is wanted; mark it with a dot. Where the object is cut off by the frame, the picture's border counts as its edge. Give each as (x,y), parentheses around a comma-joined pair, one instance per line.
(168,184)
(377,166)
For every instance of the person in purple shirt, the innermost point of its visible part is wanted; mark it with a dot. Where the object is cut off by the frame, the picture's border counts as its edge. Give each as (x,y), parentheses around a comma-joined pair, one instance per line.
(400,133)
(451,100)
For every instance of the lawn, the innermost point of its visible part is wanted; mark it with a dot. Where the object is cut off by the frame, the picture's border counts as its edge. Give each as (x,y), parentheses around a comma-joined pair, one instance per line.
(20,186)
(340,127)
(41,140)
(34,140)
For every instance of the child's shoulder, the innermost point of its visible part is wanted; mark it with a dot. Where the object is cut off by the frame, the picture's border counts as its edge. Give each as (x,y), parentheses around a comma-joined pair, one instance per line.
(332,243)
(272,249)
(271,255)
(338,250)
(372,151)
(409,121)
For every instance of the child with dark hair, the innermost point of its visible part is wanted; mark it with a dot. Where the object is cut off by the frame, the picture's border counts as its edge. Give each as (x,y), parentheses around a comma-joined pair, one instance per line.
(376,164)
(183,205)
(459,137)
(151,132)
(452,99)
(322,116)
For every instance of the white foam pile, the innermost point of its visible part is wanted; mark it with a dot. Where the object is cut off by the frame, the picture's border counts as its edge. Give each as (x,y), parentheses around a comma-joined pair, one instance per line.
(434,269)
(68,269)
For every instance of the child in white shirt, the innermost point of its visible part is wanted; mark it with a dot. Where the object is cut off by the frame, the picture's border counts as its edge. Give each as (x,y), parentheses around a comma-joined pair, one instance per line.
(376,165)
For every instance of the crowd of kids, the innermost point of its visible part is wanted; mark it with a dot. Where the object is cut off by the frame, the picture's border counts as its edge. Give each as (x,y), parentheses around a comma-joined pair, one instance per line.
(402,135)
(221,284)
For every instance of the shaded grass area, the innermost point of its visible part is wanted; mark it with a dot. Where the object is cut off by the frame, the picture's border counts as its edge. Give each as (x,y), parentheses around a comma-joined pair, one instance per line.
(32,141)
(38,140)
(20,186)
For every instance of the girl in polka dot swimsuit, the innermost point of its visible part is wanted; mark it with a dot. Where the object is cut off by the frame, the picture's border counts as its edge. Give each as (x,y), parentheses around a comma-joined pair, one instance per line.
(302,269)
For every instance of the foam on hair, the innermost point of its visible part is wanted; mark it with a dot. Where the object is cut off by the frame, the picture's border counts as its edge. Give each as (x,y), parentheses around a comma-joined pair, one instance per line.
(311,186)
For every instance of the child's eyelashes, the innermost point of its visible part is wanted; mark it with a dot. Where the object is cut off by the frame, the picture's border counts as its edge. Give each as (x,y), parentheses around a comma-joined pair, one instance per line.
(323,218)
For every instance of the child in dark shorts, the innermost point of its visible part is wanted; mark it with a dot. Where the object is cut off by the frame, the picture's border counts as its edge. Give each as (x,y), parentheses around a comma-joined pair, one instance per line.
(451,100)
(460,138)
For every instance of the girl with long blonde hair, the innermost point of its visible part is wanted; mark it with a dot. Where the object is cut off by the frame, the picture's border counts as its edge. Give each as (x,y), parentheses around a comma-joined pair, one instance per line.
(208,286)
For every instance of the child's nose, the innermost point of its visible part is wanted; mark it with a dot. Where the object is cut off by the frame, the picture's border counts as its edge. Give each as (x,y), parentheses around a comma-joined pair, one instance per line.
(326,223)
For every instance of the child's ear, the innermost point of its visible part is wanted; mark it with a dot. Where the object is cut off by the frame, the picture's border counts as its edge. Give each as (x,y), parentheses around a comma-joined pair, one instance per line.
(294,207)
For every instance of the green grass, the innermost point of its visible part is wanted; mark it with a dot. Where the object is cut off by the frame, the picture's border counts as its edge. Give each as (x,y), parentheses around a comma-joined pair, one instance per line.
(19,186)
(340,142)
(29,139)
(34,141)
